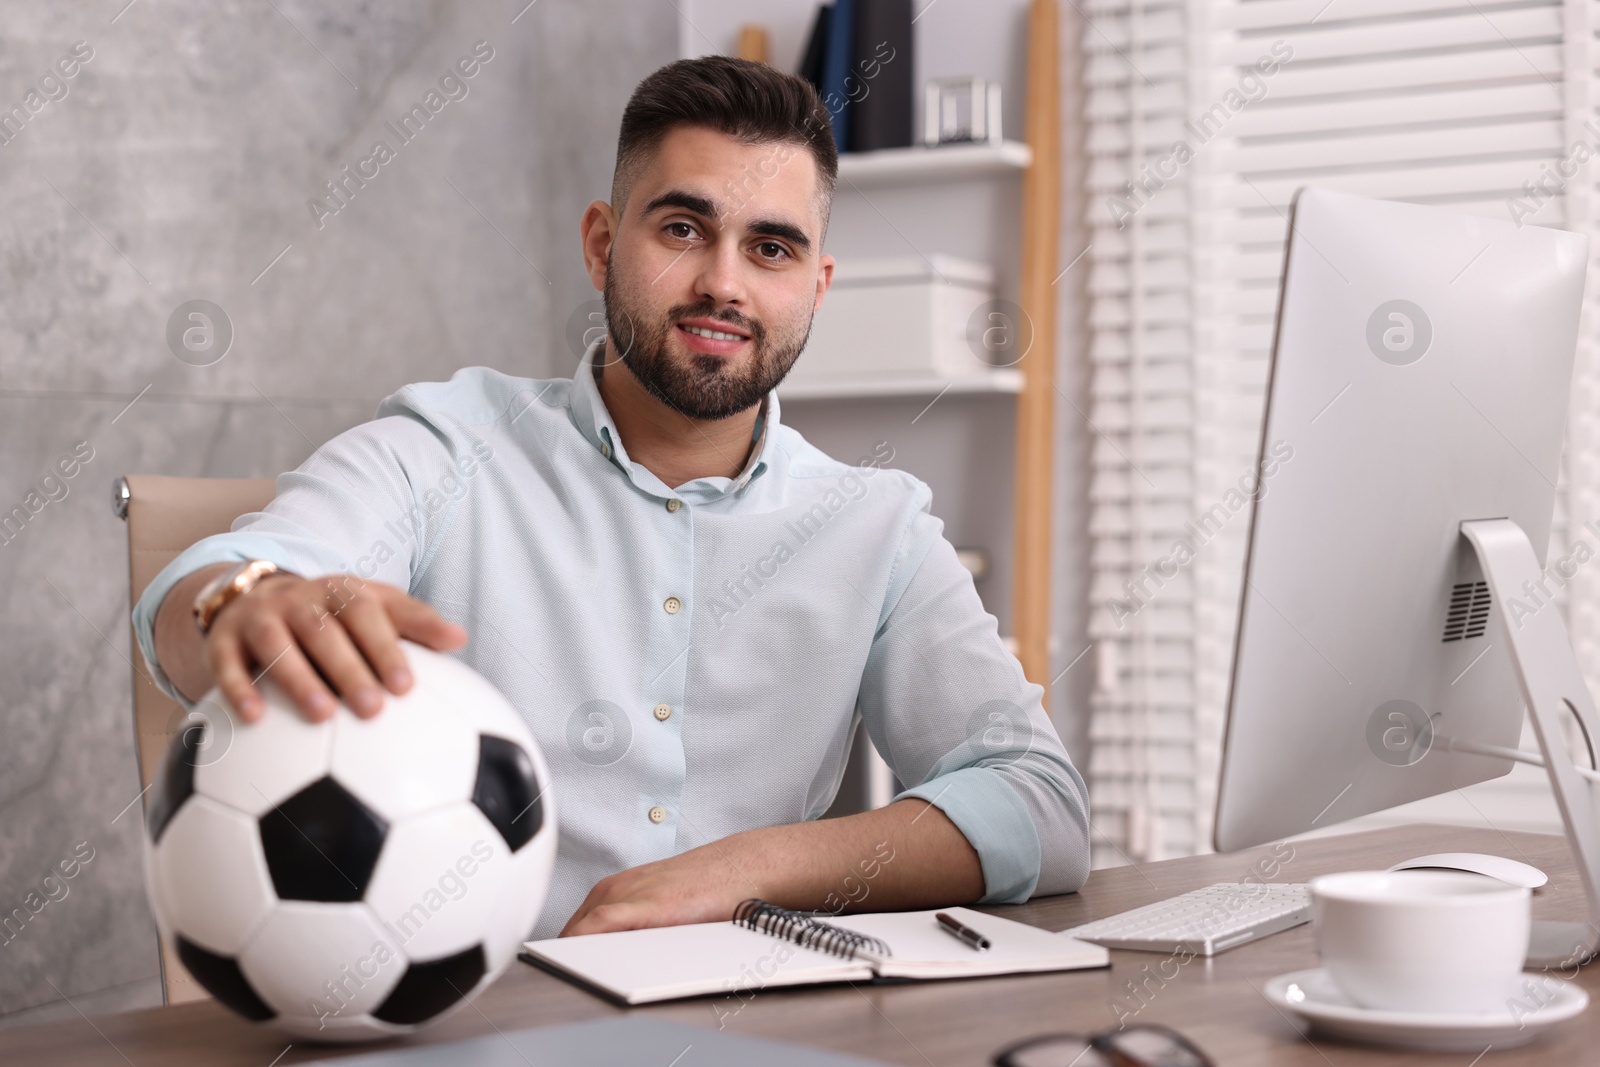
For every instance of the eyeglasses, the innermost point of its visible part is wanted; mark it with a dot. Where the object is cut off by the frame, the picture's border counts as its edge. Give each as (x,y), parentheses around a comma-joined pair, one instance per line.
(1133,1046)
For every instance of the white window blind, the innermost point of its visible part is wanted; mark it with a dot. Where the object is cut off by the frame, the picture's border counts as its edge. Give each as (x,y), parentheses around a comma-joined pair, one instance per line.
(1197,141)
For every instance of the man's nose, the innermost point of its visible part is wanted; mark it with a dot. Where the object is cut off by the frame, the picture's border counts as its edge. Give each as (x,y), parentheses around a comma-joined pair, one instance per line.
(721,276)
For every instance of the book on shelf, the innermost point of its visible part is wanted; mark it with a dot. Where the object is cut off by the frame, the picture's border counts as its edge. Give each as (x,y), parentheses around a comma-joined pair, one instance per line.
(860,57)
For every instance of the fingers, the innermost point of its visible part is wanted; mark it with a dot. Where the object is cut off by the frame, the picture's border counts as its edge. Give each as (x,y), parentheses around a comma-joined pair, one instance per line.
(273,646)
(325,640)
(622,915)
(574,922)
(418,622)
(233,677)
(374,633)
(596,896)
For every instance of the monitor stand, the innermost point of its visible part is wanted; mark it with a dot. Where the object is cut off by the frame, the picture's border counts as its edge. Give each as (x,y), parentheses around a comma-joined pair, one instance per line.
(1551,682)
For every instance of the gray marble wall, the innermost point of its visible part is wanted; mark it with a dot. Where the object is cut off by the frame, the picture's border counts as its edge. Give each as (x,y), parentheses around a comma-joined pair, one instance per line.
(176,164)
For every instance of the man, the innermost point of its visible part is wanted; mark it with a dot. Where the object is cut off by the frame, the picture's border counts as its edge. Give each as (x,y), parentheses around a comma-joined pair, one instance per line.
(690,605)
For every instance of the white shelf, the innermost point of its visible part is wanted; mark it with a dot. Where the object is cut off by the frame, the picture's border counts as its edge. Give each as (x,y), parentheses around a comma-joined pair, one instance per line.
(1001,380)
(920,164)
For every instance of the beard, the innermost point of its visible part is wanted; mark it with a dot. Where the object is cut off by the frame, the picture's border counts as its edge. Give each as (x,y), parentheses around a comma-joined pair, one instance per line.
(700,386)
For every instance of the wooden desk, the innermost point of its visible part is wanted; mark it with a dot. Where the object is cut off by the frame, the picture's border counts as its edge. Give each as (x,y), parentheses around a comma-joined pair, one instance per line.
(936,1024)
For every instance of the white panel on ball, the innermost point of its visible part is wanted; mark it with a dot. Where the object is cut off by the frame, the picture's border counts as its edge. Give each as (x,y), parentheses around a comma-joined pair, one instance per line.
(212,876)
(265,762)
(464,691)
(438,878)
(520,903)
(413,732)
(311,961)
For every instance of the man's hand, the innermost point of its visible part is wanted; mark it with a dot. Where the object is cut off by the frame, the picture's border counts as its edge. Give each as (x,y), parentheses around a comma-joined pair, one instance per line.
(318,637)
(348,628)
(907,855)
(698,886)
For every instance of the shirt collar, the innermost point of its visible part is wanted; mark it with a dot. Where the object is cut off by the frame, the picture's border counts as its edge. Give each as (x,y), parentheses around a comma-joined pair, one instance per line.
(593,420)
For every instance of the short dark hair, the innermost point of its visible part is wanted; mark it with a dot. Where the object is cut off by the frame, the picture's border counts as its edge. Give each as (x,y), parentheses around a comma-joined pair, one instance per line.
(753,102)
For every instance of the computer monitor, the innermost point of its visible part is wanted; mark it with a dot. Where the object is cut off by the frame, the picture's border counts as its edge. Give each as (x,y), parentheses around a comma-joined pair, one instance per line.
(1410,451)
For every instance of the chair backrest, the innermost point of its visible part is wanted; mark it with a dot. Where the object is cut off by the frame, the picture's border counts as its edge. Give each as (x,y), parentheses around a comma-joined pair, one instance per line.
(166,516)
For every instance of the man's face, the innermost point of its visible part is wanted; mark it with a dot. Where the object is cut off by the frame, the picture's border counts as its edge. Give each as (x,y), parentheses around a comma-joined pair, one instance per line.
(715,270)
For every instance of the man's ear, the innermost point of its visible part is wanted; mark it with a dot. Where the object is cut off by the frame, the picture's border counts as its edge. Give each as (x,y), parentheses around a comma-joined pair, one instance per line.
(598,229)
(824,280)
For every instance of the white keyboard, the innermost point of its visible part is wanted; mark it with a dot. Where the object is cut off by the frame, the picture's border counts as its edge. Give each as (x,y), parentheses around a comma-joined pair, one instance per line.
(1205,921)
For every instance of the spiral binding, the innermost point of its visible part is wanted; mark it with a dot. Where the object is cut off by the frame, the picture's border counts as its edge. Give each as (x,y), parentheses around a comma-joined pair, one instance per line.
(805,930)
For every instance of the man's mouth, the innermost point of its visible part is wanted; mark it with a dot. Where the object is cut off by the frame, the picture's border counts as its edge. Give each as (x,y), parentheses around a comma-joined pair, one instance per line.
(712,340)
(701,331)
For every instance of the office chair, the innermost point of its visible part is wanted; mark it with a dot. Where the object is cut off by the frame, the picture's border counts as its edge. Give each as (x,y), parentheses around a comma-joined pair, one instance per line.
(164,517)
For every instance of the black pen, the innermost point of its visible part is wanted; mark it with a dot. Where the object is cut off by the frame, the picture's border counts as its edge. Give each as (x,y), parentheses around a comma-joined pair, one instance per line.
(961,931)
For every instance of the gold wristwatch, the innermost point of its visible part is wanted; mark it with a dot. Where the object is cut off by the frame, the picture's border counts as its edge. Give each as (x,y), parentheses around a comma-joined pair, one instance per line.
(229,586)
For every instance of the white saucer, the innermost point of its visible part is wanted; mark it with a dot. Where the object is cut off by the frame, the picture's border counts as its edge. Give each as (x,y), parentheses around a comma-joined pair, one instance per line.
(1313,996)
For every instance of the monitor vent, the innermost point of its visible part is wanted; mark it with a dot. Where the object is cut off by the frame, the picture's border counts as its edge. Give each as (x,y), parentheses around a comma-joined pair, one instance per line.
(1469,611)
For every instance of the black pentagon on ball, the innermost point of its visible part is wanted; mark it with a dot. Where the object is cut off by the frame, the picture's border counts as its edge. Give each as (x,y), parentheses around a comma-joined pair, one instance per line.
(223,979)
(428,988)
(321,844)
(507,790)
(175,779)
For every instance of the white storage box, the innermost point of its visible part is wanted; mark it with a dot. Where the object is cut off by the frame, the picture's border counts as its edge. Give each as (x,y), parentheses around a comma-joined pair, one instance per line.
(897,318)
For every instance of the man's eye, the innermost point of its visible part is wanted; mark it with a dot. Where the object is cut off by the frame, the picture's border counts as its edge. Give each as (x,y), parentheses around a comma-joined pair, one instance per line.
(674,228)
(771,250)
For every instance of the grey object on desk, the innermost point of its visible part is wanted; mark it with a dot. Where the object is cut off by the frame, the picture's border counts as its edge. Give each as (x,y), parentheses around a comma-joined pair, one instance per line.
(611,1042)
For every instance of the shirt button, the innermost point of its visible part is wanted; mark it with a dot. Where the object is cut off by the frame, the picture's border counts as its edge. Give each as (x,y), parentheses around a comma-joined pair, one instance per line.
(663,712)
(605,450)
(657,813)
(672,604)
(674,504)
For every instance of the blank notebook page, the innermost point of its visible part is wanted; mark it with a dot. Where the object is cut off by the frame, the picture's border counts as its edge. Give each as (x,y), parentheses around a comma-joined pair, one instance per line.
(640,966)
(923,950)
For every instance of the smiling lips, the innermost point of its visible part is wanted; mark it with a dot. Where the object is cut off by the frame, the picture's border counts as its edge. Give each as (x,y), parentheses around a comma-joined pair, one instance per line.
(711,337)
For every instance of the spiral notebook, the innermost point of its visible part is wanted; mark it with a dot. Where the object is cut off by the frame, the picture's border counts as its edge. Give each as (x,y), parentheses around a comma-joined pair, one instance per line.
(766,946)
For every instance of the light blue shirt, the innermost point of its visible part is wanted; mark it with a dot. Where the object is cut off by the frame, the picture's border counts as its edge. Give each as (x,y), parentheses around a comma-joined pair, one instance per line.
(692,661)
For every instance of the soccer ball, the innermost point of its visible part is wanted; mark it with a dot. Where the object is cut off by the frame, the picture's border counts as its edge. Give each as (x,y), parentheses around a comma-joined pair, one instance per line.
(356,878)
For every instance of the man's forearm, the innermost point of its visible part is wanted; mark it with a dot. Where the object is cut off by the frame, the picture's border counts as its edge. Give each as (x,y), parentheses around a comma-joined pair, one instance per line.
(906,855)
(179,647)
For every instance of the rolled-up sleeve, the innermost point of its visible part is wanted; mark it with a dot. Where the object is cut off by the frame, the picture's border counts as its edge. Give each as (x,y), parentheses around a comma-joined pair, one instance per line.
(349,509)
(948,707)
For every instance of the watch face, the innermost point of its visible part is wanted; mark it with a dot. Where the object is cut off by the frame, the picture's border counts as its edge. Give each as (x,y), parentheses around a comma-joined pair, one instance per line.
(226,587)
(214,586)
(222,581)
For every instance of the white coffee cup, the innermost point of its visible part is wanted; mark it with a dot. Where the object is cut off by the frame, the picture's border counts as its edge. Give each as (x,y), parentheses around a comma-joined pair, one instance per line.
(1422,941)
